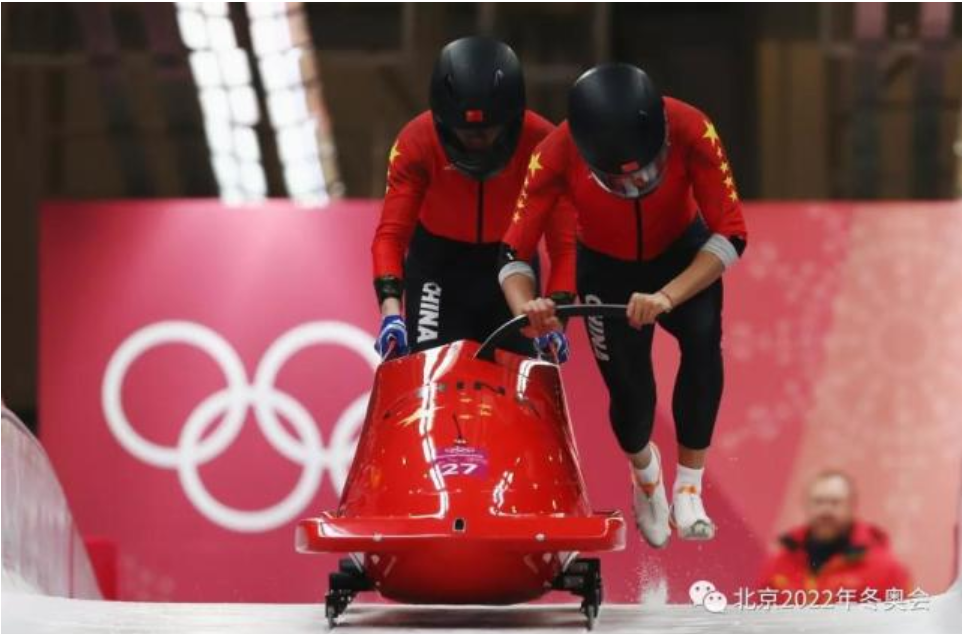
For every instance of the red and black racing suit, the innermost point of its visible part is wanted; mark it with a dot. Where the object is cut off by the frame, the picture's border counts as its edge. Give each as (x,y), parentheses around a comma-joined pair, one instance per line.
(451,226)
(639,245)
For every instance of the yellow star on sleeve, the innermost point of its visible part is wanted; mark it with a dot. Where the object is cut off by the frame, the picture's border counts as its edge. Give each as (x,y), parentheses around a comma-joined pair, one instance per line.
(710,133)
(517,215)
(724,167)
(733,196)
(394,153)
(729,182)
(533,163)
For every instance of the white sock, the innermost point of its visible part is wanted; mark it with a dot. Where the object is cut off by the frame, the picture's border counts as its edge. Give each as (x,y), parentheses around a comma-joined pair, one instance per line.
(650,473)
(688,477)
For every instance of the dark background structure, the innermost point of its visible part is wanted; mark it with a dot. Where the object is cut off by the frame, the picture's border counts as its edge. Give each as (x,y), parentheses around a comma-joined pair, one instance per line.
(815,101)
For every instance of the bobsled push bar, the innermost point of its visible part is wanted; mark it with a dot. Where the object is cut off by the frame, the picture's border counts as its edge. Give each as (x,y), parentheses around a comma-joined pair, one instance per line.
(487,349)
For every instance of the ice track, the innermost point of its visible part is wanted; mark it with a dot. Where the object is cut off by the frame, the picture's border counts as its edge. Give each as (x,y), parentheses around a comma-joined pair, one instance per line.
(38,614)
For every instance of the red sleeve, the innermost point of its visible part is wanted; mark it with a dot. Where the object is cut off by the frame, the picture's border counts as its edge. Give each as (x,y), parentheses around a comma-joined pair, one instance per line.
(543,186)
(407,181)
(713,184)
(560,238)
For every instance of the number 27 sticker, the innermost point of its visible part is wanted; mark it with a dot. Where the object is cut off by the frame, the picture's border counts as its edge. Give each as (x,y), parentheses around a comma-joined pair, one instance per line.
(462,461)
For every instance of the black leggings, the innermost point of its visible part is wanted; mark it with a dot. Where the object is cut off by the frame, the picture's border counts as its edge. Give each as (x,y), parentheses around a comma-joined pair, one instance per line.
(452,293)
(624,355)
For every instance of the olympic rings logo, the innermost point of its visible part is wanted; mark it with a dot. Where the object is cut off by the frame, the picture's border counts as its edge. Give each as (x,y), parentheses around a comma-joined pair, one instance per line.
(230,405)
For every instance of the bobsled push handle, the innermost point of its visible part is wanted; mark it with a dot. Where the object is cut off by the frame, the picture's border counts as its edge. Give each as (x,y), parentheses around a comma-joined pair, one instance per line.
(487,349)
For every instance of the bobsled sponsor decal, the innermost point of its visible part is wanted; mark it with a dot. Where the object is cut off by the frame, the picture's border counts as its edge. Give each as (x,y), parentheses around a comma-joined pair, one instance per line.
(416,398)
(596,330)
(418,415)
(462,461)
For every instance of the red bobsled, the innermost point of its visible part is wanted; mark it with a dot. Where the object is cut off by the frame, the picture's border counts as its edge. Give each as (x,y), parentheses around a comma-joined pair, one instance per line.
(465,486)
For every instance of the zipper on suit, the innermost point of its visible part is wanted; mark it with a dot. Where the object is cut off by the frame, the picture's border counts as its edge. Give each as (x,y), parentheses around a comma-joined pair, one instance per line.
(638,229)
(480,227)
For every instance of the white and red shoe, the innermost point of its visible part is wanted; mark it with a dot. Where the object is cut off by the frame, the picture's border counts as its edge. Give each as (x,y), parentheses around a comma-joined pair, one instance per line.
(651,507)
(689,517)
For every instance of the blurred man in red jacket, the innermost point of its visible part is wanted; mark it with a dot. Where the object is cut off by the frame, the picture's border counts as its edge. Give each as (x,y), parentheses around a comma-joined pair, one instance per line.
(834,550)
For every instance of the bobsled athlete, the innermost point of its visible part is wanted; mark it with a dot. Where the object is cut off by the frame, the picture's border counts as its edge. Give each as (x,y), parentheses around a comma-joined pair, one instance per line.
(658,220)
(453,175)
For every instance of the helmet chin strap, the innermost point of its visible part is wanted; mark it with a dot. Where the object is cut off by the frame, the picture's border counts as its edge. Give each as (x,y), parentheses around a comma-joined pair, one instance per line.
(481,164)
(628,189)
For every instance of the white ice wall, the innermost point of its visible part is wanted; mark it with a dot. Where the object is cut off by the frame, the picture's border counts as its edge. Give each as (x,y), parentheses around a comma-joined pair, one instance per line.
(42,550)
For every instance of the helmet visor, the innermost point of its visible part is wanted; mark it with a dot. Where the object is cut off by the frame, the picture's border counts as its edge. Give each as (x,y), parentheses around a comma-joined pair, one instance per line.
(634,183)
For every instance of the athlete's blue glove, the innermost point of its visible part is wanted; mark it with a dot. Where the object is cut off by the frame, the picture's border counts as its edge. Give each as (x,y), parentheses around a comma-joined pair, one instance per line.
(393,339)
(556,342)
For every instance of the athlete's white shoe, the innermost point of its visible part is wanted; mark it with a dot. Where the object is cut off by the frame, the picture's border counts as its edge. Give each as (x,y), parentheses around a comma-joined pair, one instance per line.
(689,515)
(651,507)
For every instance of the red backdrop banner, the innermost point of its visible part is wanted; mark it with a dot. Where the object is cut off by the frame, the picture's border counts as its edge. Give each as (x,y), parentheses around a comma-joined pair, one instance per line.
(205,370)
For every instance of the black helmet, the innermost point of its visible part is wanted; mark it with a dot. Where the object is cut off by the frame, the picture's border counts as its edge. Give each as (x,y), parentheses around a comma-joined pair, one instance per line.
(477,83)
(617,119)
